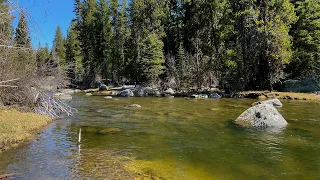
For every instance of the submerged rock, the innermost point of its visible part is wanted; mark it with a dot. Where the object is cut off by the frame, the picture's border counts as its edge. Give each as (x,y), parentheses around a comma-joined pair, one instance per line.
(88,94)
(261,115)
(110,130)
(108,97)
(134,106)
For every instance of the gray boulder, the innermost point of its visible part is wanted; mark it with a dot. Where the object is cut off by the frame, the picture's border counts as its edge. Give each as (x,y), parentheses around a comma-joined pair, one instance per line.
(140,92)
(169,91)
(214,95)
(273,102)
(261,115)
(126,93)
(146,91)
(103,87)
(194,96)
(203,96)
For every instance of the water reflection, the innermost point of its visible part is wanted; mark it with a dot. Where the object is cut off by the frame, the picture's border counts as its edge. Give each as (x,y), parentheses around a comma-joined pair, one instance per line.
(168,139)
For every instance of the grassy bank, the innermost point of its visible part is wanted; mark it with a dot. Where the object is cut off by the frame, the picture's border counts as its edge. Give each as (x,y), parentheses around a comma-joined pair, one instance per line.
(16,127)
(280,95)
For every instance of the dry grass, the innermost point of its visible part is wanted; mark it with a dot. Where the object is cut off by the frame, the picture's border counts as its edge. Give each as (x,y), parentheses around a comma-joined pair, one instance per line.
(91,90)
(281,95)
(16,127)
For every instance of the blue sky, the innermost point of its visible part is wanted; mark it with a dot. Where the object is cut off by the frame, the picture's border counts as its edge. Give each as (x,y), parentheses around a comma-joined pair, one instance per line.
(44,16)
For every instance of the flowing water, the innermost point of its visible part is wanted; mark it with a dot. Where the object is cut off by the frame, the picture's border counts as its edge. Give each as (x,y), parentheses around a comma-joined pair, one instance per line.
(170,139)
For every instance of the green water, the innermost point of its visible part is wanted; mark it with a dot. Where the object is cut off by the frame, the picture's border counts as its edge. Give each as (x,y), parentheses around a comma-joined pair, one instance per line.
(170,139)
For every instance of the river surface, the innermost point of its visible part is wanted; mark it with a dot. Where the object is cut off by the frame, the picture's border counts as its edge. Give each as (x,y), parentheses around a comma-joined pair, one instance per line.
(169,139)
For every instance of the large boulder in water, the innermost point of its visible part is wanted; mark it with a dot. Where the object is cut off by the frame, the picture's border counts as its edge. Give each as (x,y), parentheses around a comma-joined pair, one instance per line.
(261,115)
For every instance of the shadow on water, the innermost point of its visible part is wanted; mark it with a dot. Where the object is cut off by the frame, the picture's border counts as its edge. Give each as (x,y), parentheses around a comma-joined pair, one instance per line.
(170,139)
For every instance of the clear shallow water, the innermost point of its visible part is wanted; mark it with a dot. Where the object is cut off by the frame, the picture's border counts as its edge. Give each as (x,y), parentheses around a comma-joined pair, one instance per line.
(170,139)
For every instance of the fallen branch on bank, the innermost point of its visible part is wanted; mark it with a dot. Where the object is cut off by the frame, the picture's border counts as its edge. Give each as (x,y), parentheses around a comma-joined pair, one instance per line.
(8,81)
(11,80)
(52,106)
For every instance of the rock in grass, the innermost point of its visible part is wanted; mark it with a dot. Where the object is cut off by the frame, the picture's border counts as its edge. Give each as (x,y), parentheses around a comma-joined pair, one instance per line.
(261,115)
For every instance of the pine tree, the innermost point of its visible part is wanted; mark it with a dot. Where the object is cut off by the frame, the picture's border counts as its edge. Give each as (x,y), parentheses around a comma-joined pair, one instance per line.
(59,47)
(152,58)
(22,38)
(124,34)
(6,29)
(277,41)
(306,40)
(43,55)
(23,56)
(104,33)
(88,38)
(6,32)
(147,18)
(73,55)
(263,40)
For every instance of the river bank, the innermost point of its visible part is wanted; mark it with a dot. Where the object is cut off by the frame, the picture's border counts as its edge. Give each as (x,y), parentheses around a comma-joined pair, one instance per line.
(132,91)
(17,127)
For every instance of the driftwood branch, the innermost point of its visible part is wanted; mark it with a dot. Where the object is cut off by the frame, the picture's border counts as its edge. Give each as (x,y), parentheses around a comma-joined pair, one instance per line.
(11,80)
(52,106)
(10,86)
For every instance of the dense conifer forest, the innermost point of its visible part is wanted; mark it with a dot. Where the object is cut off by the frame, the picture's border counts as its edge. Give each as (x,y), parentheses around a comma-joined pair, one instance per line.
(233,44)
